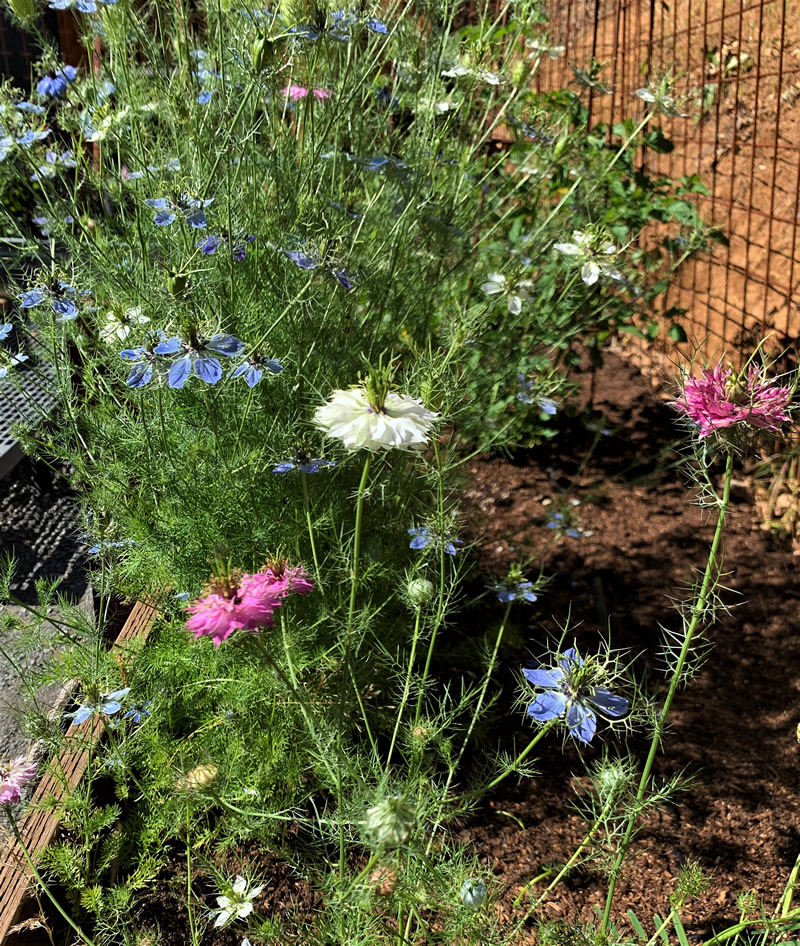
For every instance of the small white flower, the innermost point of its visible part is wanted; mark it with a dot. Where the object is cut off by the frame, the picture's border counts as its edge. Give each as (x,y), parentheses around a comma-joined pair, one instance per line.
(593,266)
(401,421)
(490,78)
(239,904)
(457,71)
(497,283)
(120,326)
(544,49)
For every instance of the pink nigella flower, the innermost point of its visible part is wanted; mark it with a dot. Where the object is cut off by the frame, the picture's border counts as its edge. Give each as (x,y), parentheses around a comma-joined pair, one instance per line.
(297,92)
(244,602)
(723,399)
(13,775)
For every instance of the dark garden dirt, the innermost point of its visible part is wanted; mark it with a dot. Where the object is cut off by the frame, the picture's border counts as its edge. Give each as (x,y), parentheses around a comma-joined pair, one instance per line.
(733,729)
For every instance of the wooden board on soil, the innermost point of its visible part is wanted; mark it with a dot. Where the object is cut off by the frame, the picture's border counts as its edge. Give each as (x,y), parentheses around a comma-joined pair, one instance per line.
(39,827)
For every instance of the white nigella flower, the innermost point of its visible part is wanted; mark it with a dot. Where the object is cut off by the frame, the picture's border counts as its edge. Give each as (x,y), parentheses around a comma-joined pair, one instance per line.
(239,904)
(544,49)
(457,71)
(665,103)
(362,422)
(496,283)
(595,254)
(120,326)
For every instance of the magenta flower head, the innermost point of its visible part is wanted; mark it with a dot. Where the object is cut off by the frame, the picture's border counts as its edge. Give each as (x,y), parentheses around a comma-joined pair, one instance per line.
(246,602)
(13,775)
(721,399)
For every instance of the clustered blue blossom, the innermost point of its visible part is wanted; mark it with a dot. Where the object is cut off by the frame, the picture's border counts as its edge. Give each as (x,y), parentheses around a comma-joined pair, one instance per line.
(568,693)
(82,6)
(526,394)
(53,87)
(61,297)
(557,520)
(423,536)
(508,591)
(53,162)
(304,261)
(210,245)
(303,465)
(192,209)
(106,705)
(253,369)
(9,361)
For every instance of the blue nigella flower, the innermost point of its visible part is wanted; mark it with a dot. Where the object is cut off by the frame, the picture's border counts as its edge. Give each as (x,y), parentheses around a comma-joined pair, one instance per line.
(344,278)
(510,591)
(54,161)
(6,144)
(5,330)
(300,258)
(191,208)
(567,692)
(137,712)
(30,108)
(303,465)
(82,6)
(62,300)
(376,26)
(556,520)
(106,706)
(423,536)
(27,138)
(44,223)
(253,369)
(212,243)
(101,545)
(525,394)
(195,357)
(204,97)
(53,87)
(11,361)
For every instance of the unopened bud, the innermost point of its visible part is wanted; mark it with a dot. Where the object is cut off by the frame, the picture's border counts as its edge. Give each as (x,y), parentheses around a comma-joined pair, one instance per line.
(383,881)
(261,52)
(176,282)
(24,10)
(420,591)
(520,72)
(201,776)
(390,821)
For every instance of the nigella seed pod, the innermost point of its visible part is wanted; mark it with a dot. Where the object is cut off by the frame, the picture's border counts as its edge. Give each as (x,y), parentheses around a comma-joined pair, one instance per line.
(24,10)
(390,821)
(420,591)
(201,776)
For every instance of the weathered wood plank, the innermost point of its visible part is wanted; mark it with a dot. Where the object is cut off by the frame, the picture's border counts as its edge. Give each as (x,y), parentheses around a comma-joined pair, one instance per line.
(38,828)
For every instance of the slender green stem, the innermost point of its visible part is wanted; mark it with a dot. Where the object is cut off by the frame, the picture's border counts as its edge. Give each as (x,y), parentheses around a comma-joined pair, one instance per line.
(406,688)
(190,911)
(791,883)
(601,818)
(307,510)
(697,613)
(354,571)
(34,870)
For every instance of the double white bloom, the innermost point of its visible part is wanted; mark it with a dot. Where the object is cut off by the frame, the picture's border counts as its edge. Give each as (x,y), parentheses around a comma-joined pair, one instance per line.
(239,904)
(496,283)
(592,251)
(402,422)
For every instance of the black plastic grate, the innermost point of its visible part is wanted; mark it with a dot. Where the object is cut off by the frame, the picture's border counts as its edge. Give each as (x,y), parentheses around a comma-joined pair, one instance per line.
(24,397)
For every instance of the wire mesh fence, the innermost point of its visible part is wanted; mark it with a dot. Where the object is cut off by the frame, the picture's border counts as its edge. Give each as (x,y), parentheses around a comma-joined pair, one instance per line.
(736,63)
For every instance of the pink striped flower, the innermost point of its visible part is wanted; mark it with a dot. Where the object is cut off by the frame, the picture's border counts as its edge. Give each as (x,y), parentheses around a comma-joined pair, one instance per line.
(297,92)
(13,775)
(721,399)
(244,602)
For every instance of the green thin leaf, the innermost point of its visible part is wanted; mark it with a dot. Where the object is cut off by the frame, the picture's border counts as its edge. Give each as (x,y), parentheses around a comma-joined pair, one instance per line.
(634,920)
(682,937)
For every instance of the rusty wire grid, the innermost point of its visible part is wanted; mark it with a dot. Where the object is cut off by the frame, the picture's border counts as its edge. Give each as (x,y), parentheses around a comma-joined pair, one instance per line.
(736,65)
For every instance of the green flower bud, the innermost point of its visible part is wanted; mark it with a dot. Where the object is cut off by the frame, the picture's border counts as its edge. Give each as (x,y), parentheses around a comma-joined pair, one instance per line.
(176,282)
(23,10)
(390,821)
(420,591)
(261,52)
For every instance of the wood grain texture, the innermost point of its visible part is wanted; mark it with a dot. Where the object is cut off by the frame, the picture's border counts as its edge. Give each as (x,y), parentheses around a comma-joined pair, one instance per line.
(38,828)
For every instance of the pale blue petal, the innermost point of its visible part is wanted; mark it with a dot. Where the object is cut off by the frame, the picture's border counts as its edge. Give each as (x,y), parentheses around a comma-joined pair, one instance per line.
(208,369)
(179,371)
(544,678)
(582,722)
(609,703)
(548,705)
